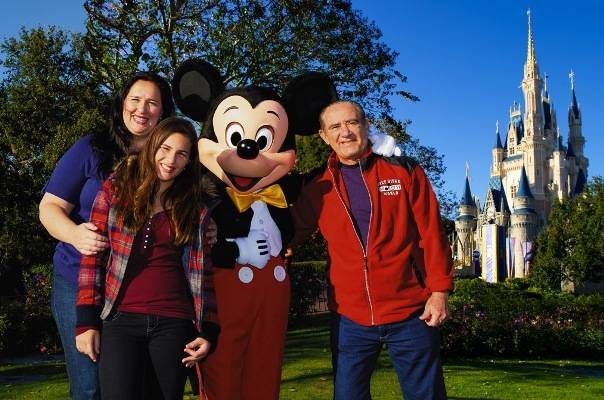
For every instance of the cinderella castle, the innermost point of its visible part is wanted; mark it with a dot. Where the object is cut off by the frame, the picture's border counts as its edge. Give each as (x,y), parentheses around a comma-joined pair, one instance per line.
(531,168)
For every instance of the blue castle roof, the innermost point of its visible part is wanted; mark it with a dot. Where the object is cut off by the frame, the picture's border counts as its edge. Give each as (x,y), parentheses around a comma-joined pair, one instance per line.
(498,194)
(581,181)
(498,141)
(575,106)
(467,199)
(524,189)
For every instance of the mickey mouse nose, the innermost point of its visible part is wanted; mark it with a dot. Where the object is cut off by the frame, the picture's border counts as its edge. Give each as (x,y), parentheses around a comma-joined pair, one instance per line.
(247,149)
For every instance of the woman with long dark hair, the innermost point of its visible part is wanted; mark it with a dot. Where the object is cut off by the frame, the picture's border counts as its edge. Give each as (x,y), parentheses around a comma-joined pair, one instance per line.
(65,207)
(151,296)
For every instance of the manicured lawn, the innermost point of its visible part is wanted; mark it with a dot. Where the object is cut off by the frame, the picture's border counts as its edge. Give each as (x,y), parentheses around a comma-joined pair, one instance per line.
(307,375)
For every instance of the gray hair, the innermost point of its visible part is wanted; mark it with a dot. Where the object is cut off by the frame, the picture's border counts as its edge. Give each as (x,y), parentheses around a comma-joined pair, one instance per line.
(356,105)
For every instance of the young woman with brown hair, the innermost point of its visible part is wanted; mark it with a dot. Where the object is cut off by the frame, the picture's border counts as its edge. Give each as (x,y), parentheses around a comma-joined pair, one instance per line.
(149,289)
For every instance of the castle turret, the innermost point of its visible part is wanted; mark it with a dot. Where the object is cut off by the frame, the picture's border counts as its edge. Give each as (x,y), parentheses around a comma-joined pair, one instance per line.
(498,153)
(559,172)
(576,141)
(524,222)
(465,225)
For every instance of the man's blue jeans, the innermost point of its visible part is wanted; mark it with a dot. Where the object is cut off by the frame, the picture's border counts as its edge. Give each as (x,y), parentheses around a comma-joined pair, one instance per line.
(412,346)
(82,372)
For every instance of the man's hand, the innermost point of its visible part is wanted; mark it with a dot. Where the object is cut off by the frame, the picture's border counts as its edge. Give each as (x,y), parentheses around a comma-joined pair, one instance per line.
(197,349)
(89,343)
(436,311)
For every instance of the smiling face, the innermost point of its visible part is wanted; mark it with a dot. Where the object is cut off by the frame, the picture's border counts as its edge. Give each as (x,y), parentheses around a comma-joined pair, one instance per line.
(246,153)
(172,157)
(142,108)
(345,130)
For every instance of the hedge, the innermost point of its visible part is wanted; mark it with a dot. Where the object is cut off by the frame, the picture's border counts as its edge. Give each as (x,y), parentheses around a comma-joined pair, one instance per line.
(509,319)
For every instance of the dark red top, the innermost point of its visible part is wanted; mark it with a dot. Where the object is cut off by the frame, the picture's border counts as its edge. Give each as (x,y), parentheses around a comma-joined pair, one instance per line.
(155,281)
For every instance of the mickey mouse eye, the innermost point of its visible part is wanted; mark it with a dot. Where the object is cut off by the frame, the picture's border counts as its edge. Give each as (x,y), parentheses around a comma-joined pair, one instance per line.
(234,134)
(264,138)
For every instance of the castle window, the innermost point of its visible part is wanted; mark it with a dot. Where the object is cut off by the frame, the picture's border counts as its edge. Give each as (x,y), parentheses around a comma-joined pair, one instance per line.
(513,189)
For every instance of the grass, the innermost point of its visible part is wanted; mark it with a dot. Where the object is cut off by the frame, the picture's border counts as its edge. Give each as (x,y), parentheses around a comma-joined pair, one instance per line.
(307,375)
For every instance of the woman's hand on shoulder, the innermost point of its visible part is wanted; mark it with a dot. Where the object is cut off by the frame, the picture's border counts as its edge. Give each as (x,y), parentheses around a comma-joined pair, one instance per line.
(197,350)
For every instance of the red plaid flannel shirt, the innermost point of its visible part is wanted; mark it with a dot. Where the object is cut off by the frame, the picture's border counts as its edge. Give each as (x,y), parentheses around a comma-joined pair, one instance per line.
(101,275)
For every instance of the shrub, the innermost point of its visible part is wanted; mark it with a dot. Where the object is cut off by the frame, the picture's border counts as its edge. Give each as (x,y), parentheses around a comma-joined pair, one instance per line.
(314,248)
(308,283)
(498,319)
(26,322)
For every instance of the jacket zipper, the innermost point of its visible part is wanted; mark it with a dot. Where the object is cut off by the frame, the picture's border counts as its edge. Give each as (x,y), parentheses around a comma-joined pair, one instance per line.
(365,268)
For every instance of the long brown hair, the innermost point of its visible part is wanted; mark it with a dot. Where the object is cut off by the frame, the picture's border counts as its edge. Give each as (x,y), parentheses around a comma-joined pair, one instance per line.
(136,184)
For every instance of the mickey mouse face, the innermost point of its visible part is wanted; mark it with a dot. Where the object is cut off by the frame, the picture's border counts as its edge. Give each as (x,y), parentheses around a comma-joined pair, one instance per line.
(246,153)
(248,138)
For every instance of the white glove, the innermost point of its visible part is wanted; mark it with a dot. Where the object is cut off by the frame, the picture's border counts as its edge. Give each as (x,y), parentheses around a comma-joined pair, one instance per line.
(253,249)
(384,145)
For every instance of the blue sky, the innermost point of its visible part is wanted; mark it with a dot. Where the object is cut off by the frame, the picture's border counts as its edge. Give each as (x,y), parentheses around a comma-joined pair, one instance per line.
(464,59)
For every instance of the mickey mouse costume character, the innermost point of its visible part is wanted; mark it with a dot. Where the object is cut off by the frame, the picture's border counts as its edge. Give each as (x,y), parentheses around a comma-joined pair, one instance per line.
(248,143)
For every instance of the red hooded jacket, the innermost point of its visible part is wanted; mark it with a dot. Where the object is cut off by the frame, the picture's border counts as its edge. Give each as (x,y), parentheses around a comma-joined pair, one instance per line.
(407,257)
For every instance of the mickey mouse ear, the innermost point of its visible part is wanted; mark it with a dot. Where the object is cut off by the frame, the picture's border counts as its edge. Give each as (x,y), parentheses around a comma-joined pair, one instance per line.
(305,97)
(195,84)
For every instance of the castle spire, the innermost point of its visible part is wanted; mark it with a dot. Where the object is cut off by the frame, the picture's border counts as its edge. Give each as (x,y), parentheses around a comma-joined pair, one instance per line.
(524,189)
(467,198)
(574,105)
(498,144)
(530,56)
(532,86)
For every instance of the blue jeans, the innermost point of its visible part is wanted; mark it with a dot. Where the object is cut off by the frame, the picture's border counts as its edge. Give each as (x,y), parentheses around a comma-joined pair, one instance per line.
(412,346)
(82,372)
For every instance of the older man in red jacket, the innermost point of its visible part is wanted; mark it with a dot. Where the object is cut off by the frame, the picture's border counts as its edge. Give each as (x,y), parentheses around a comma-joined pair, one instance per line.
(390,265)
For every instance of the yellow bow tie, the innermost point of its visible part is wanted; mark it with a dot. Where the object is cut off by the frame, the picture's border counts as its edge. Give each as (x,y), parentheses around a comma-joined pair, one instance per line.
(272,195)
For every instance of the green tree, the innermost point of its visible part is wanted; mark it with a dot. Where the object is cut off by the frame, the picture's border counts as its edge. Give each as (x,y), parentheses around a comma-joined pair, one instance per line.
(47,101)
(251,41)
(571,247)
(263,42)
